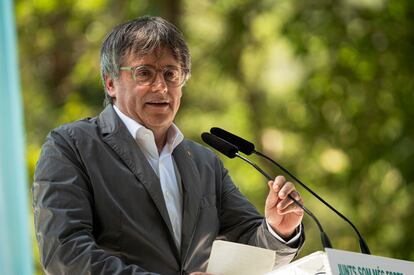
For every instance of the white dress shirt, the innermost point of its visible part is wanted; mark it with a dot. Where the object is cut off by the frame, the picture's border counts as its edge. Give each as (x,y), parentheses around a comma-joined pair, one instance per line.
(163,165)
(165,168)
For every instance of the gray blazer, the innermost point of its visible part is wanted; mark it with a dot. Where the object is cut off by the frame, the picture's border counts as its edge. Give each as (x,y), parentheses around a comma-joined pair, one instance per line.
(99,208)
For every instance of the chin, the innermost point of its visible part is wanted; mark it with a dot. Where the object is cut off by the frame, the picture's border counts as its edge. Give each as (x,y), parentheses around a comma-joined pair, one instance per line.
(159,124)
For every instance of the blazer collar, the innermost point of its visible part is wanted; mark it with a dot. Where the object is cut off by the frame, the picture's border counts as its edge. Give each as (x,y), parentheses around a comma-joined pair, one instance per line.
(191,194)
(116,135)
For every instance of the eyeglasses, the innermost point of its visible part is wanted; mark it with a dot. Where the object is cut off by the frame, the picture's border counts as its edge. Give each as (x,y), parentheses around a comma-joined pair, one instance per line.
(145,74)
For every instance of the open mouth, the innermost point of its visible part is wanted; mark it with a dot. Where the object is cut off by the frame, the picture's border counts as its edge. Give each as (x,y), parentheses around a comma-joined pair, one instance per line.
(157,104)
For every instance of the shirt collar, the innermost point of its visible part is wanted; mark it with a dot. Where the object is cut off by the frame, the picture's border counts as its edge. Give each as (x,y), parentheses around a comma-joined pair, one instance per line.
(174,135)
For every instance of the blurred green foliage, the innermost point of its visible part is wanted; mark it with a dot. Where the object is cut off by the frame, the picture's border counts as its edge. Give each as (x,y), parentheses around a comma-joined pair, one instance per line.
(326,87)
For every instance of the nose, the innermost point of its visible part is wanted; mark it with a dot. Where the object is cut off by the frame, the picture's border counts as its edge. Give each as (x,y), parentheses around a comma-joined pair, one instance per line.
(159,83)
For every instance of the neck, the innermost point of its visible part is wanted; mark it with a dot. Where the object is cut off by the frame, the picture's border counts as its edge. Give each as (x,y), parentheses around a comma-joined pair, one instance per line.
(160,133)
(160,139)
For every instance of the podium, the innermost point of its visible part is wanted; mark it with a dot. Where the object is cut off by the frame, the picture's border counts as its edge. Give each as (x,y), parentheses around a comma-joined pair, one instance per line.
(339,262)
(229,258)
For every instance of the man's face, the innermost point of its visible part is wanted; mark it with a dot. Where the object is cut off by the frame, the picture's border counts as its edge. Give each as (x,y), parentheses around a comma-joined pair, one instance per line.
(153,106)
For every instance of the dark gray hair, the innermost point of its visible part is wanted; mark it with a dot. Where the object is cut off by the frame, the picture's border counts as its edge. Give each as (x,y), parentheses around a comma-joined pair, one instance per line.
(141,36)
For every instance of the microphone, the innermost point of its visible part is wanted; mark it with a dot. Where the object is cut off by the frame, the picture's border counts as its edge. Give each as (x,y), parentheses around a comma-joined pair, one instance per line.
(220,145)
(248,148)
(231,151)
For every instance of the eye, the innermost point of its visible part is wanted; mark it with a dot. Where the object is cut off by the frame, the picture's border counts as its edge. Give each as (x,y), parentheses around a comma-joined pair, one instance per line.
(172,74)
(143,73)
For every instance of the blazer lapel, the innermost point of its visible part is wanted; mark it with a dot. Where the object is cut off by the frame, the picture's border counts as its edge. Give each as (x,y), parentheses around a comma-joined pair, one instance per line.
(116,135)
(191,192)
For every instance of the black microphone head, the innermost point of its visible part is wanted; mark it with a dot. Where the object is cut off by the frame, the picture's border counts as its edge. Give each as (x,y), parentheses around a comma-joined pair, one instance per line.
(242,145)
(220,145)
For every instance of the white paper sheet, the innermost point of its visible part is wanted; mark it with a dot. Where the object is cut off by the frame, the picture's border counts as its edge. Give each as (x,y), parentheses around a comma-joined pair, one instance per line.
(228,258)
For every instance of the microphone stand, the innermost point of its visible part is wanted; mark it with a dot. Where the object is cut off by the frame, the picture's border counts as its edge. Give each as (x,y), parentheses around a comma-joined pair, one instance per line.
(248,148)
(363,245)
(324,237)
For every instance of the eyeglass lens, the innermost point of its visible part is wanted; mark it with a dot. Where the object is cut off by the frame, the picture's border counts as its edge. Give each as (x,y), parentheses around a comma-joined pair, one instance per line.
(146,75)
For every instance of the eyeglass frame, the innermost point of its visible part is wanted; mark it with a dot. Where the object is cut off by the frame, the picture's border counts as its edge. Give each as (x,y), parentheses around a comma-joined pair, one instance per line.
(132,69)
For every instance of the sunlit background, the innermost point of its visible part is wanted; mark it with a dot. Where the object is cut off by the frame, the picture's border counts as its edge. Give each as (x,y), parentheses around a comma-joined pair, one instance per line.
(326,87)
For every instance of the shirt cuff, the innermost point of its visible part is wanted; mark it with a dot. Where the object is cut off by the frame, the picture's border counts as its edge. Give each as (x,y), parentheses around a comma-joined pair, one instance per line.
(293,239)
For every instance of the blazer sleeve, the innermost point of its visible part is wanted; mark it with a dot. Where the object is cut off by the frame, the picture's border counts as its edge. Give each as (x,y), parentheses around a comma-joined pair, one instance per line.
(240,221)
(63,214)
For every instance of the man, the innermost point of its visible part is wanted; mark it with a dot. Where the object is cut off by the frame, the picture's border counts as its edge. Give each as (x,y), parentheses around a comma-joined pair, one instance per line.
(125,193)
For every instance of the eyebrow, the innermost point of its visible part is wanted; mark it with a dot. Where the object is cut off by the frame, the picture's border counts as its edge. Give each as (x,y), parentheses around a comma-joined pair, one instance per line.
(150,65)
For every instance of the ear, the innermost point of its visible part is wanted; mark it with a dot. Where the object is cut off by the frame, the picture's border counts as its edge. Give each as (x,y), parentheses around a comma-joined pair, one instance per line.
(110,86)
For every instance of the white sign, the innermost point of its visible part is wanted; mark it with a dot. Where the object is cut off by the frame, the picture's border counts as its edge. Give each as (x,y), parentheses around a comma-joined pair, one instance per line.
(351,263)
